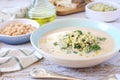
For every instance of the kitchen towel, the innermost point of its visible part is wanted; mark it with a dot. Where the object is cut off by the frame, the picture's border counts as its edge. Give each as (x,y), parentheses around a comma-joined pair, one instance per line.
(16,59)
(18,8)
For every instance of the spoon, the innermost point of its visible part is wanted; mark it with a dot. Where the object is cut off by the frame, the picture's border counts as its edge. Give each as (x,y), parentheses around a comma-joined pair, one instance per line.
(46,74)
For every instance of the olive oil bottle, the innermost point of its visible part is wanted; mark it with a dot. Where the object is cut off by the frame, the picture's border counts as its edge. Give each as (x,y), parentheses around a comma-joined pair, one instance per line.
(42,11)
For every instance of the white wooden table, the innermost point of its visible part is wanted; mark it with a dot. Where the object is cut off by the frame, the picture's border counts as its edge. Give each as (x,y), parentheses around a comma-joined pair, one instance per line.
(93,73)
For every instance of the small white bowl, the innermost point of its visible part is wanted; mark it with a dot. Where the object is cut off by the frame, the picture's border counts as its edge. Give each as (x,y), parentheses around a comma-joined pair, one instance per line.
(103,16)
(19,39)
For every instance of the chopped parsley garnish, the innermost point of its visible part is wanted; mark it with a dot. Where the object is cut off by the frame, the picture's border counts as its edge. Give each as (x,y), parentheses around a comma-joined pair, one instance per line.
(77,46)
(78,31)
(101,39)
(78,41)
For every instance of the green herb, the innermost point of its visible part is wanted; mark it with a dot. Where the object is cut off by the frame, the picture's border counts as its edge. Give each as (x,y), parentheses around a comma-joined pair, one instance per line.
(101,39)
(79,31)
(88,43)
(72,35)
(77,46)
(55,43)
(95,47)
(83,40)
(63,47)
(89,32)
(75,52)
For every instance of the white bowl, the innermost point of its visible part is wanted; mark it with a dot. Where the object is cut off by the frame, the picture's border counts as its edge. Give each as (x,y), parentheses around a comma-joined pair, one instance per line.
(103,16)
(19,39)
(75,62)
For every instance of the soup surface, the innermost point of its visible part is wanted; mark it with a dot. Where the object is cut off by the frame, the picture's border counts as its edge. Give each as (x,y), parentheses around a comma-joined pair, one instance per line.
(101,42)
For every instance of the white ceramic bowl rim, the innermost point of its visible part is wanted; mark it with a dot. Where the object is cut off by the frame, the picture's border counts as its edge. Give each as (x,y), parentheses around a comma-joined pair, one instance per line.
(116,5)
(93,58)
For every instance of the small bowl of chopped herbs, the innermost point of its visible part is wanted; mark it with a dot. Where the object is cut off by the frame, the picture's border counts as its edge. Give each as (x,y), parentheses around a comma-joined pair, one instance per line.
(103,11)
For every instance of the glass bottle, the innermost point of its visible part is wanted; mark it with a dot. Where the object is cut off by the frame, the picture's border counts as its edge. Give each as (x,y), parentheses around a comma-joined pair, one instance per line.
(42,11)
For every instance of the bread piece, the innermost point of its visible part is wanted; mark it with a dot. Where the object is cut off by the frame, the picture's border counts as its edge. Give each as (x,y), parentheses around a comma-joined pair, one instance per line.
(65,3)
(78,1)
(69,6)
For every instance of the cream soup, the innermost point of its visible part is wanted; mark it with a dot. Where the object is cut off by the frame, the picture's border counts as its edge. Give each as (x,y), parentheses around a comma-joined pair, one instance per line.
(47,43)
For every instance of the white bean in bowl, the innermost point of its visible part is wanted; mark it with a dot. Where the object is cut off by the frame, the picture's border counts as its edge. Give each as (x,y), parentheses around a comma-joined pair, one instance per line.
(17,31)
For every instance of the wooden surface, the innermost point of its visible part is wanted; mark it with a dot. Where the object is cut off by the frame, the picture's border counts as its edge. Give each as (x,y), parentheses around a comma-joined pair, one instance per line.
(65,11)
(92,73)
(62,11)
